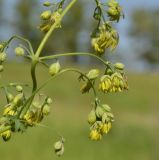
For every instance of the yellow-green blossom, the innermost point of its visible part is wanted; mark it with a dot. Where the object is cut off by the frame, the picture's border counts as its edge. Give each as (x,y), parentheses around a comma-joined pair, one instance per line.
(95,135)
(107,38)
(114,10)
(49,19)
(114,83)
(6,135)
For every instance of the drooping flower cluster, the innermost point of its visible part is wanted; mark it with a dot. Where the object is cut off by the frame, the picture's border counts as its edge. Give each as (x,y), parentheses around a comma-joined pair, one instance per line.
(15,118)
(106,38)
(37,112)
(114,81)
(100,119)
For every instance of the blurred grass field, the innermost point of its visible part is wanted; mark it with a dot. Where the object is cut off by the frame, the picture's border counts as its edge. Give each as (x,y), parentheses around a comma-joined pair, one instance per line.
(134,135)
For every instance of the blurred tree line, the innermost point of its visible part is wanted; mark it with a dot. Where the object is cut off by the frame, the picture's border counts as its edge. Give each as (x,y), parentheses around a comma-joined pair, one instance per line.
(27,21)
(144,29)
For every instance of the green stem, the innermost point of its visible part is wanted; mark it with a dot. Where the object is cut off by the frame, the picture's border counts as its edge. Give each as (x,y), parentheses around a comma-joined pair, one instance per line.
(67,70)
(35,58)
(30,99)
(99,5)
(48,34)
(75,54)
(33,75)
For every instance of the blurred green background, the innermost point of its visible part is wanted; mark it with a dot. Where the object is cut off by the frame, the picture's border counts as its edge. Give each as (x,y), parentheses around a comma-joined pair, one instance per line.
(134,135)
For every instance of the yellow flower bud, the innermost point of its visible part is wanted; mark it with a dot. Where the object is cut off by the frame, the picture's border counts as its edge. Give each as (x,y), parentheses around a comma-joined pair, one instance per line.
(47,4)
(10,97)
(49,101)
(60,152)
(9,111)
(92,117)
(3,56)
(19,88)
(93,74)
(45,27)
(18,99)
(119,66)
(105,118)
(95,135)
(104,128)
(99,111)
(46,109)
(106,107)
(30,117)
(46,15)
(19,51)
(54,68)
(109,125)
(56,16)
(59,147)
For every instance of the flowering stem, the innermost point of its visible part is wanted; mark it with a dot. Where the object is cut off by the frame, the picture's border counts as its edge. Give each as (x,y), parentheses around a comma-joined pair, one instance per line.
(48,34)
(35,58)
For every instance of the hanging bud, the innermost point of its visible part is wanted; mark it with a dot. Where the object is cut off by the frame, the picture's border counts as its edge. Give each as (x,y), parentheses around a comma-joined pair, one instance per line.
(46,109)
(106,107)
(19,51)
(46,15)
(45,27)
(119,66)
(92,117)
(99,111)
(105,118)
(49,101)
(3,56)
(93,74)
(18,99)
(59,147)
(54,68)
(85,88)
(19,88)
(47,4)
(1,68)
